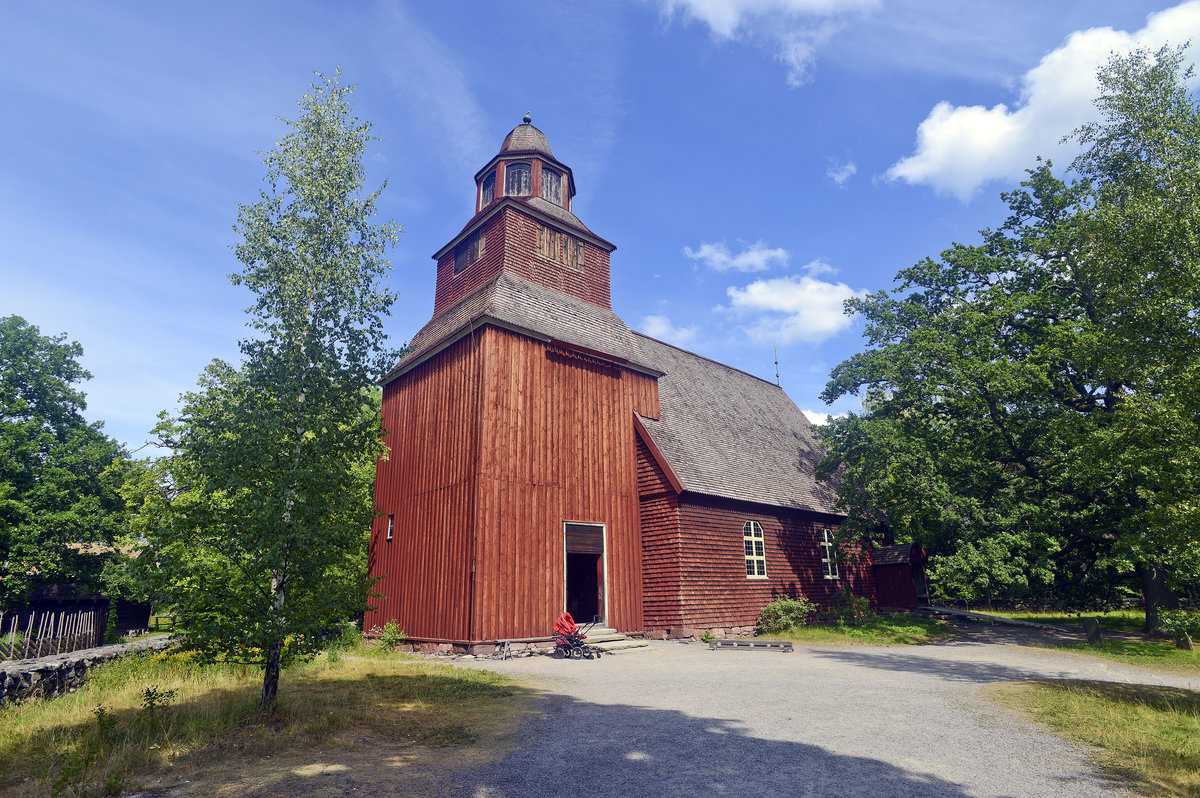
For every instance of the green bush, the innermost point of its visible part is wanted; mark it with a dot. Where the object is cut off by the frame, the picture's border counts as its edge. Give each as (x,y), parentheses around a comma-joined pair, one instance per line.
(391,635)
(847,609)
(783,613)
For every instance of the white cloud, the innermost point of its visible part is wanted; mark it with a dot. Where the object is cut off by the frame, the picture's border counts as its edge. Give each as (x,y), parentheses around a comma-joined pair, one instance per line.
(819,418)
(793,29)
(841,172)
(793,308)
(660,327)
(959,148)
(757,257)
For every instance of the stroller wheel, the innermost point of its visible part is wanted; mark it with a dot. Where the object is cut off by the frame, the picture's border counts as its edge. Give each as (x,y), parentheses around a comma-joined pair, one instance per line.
(559,653)
(576,653)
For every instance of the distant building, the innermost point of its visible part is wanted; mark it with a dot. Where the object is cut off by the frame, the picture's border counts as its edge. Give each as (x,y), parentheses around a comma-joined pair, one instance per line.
(546,457)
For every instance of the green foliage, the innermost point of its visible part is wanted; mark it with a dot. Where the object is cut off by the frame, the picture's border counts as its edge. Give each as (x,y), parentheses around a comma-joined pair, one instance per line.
(256,522)
(784,612)
(60,510)
(391,635)
(110,626)
(847,609)
(886,630)
(708,636)
(1181,623)
(1032,401)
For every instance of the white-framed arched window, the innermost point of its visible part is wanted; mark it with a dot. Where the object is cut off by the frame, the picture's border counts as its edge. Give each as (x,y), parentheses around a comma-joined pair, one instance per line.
(829,554)
(518,180)
(488,192)
(552,186)
(756,550)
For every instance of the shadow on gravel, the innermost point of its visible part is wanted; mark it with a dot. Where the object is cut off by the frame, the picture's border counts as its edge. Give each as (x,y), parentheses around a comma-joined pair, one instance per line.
(980,672)
(582,749)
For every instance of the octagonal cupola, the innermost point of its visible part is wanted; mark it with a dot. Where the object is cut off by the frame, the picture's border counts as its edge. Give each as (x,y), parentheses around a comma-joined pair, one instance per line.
(525,167)
(523,226)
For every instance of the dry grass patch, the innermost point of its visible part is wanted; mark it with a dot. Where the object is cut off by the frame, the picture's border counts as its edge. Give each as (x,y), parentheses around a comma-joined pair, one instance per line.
(1148,734)
(164,721)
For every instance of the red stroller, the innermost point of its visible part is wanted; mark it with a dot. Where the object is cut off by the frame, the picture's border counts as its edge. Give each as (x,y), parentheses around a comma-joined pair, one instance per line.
(569,637)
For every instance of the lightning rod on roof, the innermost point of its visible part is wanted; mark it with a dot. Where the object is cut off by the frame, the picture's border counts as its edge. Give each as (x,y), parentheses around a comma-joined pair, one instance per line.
(777,367)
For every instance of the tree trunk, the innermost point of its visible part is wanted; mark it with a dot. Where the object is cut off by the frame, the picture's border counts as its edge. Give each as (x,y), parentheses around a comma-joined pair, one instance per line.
(1157,594)
(275,651)
(271,674)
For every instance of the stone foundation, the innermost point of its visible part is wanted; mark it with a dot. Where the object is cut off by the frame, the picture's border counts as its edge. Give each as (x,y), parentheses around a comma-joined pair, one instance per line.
(47,677)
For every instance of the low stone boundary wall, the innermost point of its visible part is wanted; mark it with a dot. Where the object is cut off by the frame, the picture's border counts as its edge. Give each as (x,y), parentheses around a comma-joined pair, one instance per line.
(64,673)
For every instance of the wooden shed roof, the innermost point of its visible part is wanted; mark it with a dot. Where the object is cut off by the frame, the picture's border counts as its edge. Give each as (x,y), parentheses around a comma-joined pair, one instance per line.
(729,434)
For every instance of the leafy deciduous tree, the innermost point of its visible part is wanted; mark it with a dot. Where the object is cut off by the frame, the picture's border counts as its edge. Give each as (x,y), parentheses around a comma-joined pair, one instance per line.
(261,510)
(59,475)
(1032,402)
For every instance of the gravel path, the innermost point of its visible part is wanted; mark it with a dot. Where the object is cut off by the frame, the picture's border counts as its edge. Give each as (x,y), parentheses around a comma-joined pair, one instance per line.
(683,720)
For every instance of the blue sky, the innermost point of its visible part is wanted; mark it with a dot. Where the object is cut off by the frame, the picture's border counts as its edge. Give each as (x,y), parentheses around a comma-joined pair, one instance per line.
(754,161)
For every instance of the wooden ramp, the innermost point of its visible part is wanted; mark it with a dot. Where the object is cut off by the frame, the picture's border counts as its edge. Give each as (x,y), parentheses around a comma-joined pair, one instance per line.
(752,645)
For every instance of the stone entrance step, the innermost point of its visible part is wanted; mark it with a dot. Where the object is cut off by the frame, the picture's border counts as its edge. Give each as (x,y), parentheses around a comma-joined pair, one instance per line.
(610,641)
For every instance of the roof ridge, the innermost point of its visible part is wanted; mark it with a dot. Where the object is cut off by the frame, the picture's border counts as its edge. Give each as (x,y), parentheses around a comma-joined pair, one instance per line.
(703,357)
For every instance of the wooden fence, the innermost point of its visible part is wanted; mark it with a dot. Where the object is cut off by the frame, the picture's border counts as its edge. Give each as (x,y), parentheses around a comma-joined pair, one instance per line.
(39,633)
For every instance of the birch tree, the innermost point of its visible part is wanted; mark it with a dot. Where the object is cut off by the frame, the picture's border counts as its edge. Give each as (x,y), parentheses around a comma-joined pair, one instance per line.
(264,502)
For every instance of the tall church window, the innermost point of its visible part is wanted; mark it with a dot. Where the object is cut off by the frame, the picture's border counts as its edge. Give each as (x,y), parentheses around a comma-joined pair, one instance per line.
(756,552)
(489,191)
(829,554)
(518,180)
(552,186)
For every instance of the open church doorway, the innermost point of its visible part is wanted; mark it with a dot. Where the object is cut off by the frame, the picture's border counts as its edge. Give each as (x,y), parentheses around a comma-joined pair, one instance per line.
(584,571)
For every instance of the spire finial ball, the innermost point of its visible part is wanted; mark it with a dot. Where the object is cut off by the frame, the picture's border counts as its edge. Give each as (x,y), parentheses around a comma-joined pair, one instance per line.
(527,118)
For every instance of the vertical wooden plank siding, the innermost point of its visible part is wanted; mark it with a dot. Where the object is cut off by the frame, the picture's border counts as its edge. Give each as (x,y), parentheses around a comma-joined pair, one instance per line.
(556,444)
(714,590)
(427,481)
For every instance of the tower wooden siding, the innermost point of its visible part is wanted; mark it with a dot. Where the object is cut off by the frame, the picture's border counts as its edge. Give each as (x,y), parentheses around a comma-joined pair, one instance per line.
(511,244)
(493,445)
(556,444)
(428,482)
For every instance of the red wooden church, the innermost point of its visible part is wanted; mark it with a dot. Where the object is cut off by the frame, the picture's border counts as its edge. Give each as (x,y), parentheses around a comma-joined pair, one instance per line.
(546,457)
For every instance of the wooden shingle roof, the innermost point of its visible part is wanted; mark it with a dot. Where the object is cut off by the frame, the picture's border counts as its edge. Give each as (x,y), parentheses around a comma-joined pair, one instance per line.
(526,307)
(729,434)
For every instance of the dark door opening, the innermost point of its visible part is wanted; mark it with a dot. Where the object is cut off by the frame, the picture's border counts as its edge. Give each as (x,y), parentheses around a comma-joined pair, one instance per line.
(585,571)
(583,587)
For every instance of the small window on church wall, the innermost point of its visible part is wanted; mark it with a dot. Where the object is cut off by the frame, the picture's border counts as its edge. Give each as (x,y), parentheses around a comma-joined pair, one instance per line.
(469,251)
(829,554)
(391,526)
(517,180)
(489,191)
(755,547)
(552,186)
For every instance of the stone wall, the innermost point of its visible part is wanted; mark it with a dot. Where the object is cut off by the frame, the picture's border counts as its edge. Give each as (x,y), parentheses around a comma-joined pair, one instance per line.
(64,673)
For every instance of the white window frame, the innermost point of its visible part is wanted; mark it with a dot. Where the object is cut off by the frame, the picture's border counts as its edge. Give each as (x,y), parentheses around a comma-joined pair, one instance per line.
(391,526)
(526,184)
(754,547)
(555,178)
(828,554)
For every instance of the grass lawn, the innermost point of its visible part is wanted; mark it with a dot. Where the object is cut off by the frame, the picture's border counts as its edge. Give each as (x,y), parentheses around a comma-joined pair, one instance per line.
(164,721)
(884,630)
(1150,735)
(1153,654)
(1117,620)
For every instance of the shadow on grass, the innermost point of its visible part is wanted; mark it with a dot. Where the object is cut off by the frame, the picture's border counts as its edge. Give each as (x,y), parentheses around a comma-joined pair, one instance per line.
(1157,697)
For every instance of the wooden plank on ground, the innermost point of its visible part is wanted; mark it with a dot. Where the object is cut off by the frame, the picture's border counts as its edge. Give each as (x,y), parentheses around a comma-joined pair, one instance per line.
(752,645)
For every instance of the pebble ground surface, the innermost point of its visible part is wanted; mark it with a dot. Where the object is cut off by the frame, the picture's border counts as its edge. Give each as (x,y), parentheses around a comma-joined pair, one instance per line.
(681,720)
